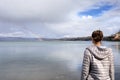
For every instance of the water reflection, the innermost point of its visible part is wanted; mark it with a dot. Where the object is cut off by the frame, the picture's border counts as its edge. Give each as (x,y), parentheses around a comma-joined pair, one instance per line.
(116,46)
(44,60)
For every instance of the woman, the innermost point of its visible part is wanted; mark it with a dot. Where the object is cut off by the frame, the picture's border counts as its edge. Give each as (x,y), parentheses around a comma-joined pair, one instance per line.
(98,60)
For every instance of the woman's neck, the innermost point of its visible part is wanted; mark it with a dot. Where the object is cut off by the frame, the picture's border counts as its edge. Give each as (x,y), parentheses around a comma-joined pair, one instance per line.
(97,44)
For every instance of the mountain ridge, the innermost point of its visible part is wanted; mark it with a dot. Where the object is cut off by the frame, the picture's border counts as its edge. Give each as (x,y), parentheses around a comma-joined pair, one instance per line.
(114,37)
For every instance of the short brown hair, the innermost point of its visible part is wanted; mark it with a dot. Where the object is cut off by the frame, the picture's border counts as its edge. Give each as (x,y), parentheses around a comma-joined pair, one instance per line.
(97,35)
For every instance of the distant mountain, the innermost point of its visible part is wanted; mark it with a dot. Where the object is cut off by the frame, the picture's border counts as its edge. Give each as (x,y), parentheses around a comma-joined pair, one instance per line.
(76,39)
(17,39)
(117,36)
(24,39)
(114,37)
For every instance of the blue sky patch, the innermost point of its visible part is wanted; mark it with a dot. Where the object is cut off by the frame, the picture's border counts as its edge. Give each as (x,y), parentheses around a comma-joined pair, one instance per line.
(96,12)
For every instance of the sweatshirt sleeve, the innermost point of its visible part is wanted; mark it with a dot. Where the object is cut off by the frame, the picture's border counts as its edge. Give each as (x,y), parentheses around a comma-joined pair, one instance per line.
(85,65)
(111,66)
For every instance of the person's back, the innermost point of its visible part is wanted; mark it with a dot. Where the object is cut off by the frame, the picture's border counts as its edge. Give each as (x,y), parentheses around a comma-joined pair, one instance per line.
(97,63)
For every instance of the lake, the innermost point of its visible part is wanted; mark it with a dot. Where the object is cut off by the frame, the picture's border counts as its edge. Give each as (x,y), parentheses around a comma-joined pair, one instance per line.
(47,60)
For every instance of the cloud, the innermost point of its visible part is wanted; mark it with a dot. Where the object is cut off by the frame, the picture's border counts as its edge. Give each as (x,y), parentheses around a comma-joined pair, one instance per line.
(40,10)
(35,10)
(87,17)
(57,18)
(14,34)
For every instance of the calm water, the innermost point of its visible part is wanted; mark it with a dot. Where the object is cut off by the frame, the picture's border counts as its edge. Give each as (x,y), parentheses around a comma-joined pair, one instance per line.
(54,60)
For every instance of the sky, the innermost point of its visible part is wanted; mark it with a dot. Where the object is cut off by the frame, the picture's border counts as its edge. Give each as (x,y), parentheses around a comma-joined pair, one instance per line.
(58,18)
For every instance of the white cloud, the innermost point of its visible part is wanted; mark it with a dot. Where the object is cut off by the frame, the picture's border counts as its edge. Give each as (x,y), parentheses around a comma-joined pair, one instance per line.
(20,34)
(87,17)
(41,10)
(38,10)
(14,34)
(55,18)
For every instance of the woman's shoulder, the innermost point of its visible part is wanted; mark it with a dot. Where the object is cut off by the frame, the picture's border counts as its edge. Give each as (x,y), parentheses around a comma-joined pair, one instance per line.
(87,51)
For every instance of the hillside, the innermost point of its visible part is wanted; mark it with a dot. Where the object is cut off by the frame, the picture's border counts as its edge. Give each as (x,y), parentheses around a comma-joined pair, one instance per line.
(117,36)
(114,37)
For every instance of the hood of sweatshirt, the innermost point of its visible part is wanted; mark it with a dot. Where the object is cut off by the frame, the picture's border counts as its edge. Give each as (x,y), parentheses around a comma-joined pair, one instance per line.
(99,52)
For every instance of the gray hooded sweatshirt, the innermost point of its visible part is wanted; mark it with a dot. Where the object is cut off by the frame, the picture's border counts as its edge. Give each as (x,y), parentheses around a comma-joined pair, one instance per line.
(97,64)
